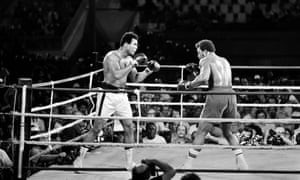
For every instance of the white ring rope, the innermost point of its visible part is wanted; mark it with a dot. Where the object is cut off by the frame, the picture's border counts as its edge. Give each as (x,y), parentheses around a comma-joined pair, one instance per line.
(205,86)
(238,67)
(201,104)
(162,66)
(66,79)
(167,119)
(57,130)
(206,146)
(35,109)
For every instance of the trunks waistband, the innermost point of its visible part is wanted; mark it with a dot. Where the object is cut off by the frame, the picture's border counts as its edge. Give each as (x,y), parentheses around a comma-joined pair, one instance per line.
(222,87)
(105,85)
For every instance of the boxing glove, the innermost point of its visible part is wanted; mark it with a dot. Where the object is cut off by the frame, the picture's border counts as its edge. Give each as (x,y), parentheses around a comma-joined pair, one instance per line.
(184,85)
(153,65)
(192,68)
(140,59)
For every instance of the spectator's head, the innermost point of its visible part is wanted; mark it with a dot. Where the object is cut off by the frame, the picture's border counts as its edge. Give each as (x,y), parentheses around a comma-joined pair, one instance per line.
(236,80)
(190,176)
(181,130)
(151,112)
(67,109)
(150,130)
(260,114)
(244,81)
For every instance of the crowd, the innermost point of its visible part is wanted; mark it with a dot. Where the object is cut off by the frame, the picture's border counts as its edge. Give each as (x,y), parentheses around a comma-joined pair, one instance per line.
(204,15)
(39,18)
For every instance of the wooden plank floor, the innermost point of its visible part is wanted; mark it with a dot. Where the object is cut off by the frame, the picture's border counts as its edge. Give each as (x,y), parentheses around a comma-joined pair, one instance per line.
(208,158)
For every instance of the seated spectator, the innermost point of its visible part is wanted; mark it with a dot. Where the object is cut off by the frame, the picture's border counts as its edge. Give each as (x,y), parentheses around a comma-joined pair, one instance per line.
(281,136)
(251,136)
(151,135)
(6,171)
(5,160)
(160,125)
(44,160)
(180,137)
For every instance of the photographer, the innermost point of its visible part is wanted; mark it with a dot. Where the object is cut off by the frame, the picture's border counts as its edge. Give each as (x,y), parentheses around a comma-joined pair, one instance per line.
(147,170)
(280,136)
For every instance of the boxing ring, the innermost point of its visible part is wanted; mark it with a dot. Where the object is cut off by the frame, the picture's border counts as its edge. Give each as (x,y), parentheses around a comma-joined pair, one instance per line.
(107,162)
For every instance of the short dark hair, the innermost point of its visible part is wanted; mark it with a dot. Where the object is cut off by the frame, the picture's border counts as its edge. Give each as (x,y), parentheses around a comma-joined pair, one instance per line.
(150,124)
(190,176)
(137,175)
(206,44)
(127,38)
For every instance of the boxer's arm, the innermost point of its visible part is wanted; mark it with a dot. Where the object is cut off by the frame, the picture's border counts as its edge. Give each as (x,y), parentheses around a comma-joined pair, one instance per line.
(204,74)
(112,63)
(136,76)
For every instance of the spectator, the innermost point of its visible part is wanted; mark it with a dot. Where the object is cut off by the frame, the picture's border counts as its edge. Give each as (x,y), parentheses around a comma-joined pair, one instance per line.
(281,136)
(180,137)
(151,135)
(147,168)
(190,176)
(5,160)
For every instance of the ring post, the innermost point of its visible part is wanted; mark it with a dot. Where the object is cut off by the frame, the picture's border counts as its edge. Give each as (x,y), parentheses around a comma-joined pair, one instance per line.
(22,130)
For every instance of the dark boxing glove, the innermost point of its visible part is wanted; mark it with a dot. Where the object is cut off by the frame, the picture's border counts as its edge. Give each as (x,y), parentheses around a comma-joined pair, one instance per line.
(192,68)
(184,85)
(140,59)
(153,65)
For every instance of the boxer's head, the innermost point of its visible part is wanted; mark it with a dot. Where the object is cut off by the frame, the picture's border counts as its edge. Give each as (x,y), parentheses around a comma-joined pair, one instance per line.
(129,42)
(203,47)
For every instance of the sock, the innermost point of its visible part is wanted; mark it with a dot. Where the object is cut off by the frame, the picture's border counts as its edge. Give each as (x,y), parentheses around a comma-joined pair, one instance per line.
(83,151)
(193,153)
(240,160)
(129,156)
(238,152)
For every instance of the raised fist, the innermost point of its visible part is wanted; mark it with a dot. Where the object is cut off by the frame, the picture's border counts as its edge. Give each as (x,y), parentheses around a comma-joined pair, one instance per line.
(184,85)
(153,65)
(140,58)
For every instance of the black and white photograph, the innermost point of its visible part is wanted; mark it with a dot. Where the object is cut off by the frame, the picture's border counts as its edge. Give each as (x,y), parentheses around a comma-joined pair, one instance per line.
(149,90)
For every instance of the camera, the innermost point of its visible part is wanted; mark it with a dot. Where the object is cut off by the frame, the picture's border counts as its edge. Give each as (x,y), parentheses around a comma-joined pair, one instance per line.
(152,169)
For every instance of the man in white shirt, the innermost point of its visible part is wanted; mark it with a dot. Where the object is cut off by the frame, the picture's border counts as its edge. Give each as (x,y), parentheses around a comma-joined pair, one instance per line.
(151,135)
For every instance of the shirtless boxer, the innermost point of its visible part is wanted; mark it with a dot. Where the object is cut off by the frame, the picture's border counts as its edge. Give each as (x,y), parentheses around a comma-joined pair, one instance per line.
(118,65)
(215,71)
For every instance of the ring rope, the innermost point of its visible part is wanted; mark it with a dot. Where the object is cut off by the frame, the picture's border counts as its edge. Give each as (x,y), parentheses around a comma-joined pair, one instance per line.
(162,66)
(57,146)
(235,171)
(236,67)
(205,86)
(35,109)
(135,145)
(57,130)
(174,91)
(67,79)
(201,104)
(167,119)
